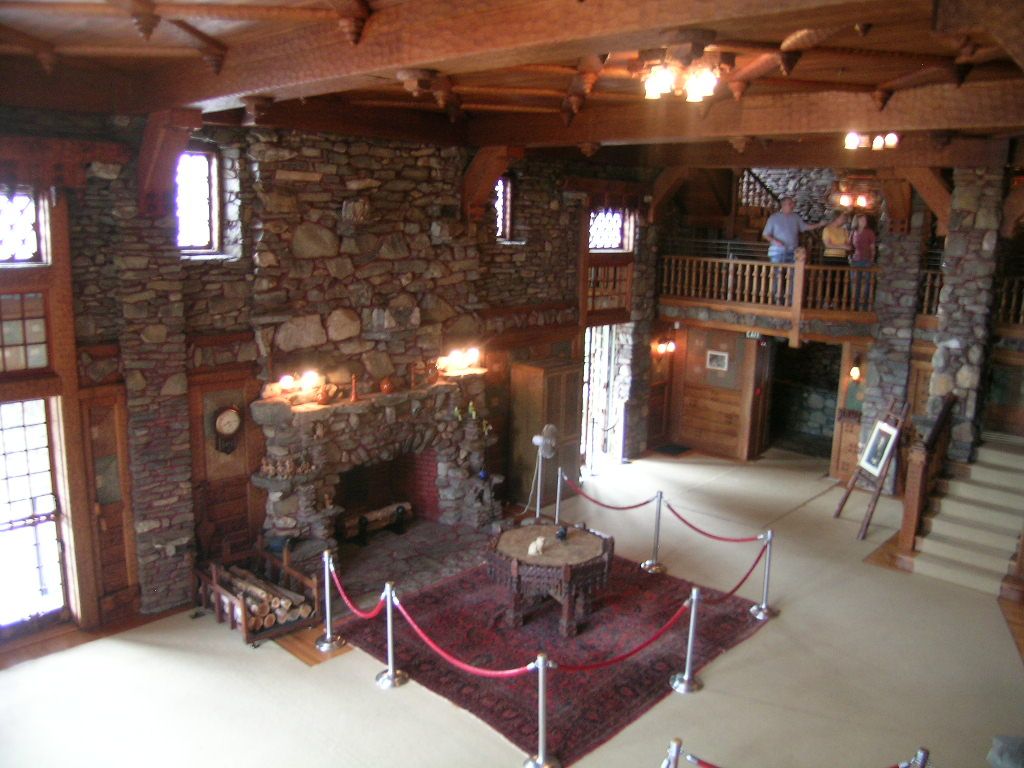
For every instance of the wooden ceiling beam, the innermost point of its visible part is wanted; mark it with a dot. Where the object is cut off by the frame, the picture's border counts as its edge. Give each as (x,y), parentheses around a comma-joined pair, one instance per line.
(164,139)
(44,52)
(973,106)
(487,165)
(81,86)
(352,23)
(142,12)
(210,49)
(113,51)
(929,184)
(664,188)
(456,38)
(194,11)
(1002,19)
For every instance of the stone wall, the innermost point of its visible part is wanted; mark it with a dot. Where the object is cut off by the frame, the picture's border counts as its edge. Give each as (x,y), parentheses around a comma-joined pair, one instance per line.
(965,302)
(634,345)
(899,258)
(809,187)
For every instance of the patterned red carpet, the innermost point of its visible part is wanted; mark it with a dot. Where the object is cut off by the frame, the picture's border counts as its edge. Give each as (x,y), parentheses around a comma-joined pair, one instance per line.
(464,615)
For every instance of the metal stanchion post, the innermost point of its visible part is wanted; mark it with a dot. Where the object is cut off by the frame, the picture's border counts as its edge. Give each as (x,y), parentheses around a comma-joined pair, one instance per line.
(542,759)
(391,677)
(686,682)
(763,611)
(558,496)
(652,565)
(329,641)
(675,749)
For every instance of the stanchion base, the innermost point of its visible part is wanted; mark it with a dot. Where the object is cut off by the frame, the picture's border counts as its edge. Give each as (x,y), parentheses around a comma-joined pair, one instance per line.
(680,684)
(387,680)
(536,762)
(763,612)
(652,566)
(328,643)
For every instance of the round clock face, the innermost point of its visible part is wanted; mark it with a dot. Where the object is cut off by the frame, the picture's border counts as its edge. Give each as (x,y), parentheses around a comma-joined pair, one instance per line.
(227,422)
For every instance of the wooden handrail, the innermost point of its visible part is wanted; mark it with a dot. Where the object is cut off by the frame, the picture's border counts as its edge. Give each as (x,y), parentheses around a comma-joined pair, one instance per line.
(924,463)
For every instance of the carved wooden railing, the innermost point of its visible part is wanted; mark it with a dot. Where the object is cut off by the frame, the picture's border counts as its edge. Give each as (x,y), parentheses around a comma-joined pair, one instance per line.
(751,191)
(1010,300)
(928,291)
(924,462)
(761,283)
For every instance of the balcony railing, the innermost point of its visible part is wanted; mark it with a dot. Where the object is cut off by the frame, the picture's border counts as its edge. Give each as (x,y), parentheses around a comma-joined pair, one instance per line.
(928,293)
(812,287)
(1009,309)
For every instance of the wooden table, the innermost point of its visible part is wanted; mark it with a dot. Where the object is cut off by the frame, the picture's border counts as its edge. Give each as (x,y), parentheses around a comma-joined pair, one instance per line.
(570,571)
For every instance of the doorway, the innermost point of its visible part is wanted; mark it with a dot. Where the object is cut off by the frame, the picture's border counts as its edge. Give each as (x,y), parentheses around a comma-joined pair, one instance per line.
(31,561)
(602,409)
(805,383)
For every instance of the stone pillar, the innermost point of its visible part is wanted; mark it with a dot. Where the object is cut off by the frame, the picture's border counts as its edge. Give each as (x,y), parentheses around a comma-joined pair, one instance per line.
(965,302)
(150,278)
(633,343)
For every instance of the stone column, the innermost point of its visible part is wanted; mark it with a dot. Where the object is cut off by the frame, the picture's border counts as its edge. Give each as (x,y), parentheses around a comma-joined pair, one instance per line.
(965,302)
(634,345)
(899,259)
(150,278)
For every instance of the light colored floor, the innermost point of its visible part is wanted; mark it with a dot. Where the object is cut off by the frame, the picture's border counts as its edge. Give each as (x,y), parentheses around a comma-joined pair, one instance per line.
(862,666)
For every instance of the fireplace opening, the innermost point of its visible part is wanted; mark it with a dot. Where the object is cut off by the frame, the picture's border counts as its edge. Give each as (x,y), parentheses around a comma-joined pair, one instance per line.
(369,494)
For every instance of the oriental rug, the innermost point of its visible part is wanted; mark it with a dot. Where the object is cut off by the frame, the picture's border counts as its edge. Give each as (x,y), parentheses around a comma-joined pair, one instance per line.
(464,615)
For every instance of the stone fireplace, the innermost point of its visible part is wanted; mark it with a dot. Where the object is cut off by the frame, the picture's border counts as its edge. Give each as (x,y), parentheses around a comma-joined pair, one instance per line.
(310,448)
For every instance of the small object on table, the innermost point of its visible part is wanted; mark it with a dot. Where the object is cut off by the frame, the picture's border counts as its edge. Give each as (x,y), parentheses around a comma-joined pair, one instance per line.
(536,547)
(571,574)
(561,533)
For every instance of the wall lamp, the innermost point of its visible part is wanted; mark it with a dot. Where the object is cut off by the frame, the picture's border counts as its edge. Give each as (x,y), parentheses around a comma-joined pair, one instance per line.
(856,140)
(460,362)
(665,346)
(855,369)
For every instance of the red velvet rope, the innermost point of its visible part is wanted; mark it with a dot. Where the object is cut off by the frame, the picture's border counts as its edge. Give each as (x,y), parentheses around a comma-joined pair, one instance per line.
(459,664)
(746,576)
(582,493)
(705,533)
(698,762)
(623,656)
(351,606)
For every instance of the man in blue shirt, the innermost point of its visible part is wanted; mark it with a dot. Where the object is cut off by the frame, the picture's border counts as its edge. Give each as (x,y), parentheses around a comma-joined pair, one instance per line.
(782,231)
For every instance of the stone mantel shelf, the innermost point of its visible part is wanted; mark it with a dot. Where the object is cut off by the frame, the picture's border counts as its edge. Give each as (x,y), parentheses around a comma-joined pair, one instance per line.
(272,411)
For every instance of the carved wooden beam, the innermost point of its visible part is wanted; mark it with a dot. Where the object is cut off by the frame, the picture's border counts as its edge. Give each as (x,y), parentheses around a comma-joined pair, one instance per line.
(803,39)
(456,38)
(421,81)
(143,14)
(352,22)
(664,188)
(1002,19)
(44,52)
(195,11)
(483,172)
(929,184)
(211,49)
(43,163)
(588,70)
(944,73)
(164,139)
(898,202)
(973,106)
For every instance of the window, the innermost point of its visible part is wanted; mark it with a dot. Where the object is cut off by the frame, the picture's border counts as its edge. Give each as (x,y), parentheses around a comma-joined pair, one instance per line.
(29,547)
(611,229)
(198,202)
(22,332)
(503,208)
(19,230)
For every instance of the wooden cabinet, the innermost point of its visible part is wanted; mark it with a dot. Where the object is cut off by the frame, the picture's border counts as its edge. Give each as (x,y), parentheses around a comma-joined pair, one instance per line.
(544,392)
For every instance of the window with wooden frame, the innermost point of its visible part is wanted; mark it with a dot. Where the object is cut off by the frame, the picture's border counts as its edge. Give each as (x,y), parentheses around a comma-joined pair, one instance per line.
(607,295)
(503,207)
(198,201)
(611,230)
(19,229)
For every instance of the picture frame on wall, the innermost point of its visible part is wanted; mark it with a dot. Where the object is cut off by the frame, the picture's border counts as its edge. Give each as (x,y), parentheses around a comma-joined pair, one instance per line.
(878,448)
(717,361)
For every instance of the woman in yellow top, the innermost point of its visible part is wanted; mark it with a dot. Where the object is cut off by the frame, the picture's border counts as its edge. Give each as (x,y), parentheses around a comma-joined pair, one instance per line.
(836,239)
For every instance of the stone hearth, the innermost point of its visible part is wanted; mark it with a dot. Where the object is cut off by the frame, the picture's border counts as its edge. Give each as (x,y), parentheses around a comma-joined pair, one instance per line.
(309,447)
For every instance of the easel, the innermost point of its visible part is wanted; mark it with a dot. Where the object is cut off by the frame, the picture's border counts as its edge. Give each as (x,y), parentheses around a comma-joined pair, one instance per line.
(896,420)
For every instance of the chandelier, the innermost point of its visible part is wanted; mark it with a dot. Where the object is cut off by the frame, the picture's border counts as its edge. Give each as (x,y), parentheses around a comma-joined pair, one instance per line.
(683,68)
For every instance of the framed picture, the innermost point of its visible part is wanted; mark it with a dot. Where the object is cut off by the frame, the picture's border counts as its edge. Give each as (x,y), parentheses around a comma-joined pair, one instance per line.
(879,446)
(717,361)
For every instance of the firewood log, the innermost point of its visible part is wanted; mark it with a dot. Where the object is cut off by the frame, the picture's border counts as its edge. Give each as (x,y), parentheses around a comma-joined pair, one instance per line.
(257,590)
(269,620)
(287,597)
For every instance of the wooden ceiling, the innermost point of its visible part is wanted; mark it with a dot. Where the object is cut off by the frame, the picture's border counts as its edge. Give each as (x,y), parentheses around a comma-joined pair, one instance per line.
(538,73)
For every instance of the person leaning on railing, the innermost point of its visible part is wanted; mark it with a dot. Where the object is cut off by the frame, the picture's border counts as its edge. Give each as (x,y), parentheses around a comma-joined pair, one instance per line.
(782,231)
(836,239)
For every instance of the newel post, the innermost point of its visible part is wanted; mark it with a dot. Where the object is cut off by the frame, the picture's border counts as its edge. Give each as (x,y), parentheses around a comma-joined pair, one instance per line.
(915,496)
(799,280)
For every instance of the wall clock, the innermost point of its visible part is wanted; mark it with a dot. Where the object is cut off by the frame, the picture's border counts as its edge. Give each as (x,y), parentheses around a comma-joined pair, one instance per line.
(227,424)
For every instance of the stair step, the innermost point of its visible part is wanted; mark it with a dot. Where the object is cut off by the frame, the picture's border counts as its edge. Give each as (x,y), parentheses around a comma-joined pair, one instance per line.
(994,515)
(968,552)
(1003,477)
(1003,455)
(969,530)
(972,577)
(985,493)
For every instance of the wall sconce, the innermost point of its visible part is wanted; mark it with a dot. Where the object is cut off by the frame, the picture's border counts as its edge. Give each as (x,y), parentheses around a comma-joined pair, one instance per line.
(855,369)
(856,140)
(460,362)
(665,346)
(289,383)
(683,68)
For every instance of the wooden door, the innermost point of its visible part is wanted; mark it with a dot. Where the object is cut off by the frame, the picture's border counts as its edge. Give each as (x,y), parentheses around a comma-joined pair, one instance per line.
(229,510)
(759,395)
(105,431)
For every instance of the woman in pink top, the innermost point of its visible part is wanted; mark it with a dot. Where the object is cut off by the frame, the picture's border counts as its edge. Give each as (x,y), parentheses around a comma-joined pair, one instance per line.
(863,256)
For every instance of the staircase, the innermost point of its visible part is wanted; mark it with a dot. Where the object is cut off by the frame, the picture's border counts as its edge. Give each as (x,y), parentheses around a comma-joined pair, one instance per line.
(974,524)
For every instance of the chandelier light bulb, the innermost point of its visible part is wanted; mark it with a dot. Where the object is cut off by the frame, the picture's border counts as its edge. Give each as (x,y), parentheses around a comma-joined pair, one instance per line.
(845,201)
(891,140)
(862,201)
(878,142)
(699,84)
(852,140)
